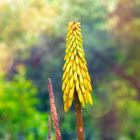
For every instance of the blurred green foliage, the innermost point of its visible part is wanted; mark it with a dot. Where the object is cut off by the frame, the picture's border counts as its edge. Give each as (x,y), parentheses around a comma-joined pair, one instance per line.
(19,118)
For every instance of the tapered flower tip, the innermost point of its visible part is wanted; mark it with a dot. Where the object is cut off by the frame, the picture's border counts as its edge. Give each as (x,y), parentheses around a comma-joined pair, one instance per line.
(73,26)
(75,23)
(76,79)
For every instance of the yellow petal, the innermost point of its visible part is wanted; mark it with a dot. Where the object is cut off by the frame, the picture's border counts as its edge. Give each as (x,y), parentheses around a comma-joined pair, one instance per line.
(64,75)
(66,80)
(65,107)
(81,54)
(77,86)
(74,67)
(71,93)
(71,72)
(63,86)
(81,79)
(65,96)
(83,73)
(67,88)
(78,69)
(80,96)
(76,60)
(75,76)
(89,97)
(87,76)
(72,82)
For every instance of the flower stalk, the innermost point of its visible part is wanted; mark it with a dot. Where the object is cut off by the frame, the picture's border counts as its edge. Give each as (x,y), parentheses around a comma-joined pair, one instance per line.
(49,128)
(79,118)
(76,80)
(53,111)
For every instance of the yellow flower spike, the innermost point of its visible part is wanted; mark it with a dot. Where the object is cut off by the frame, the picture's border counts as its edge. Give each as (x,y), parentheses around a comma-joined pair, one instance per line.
(76,79)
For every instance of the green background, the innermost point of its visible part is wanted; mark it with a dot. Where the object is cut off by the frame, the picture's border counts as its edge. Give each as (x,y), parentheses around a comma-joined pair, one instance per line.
(32,48)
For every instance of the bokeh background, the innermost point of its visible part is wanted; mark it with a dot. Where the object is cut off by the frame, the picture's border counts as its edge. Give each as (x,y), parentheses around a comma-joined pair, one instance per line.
(32,48)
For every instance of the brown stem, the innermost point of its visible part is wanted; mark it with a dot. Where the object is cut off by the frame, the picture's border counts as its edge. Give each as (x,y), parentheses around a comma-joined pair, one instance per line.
(79,118)
(49,128)
(53,111)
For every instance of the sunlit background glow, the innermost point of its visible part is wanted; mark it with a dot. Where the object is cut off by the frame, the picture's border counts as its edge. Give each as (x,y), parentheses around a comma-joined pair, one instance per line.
(6,58)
